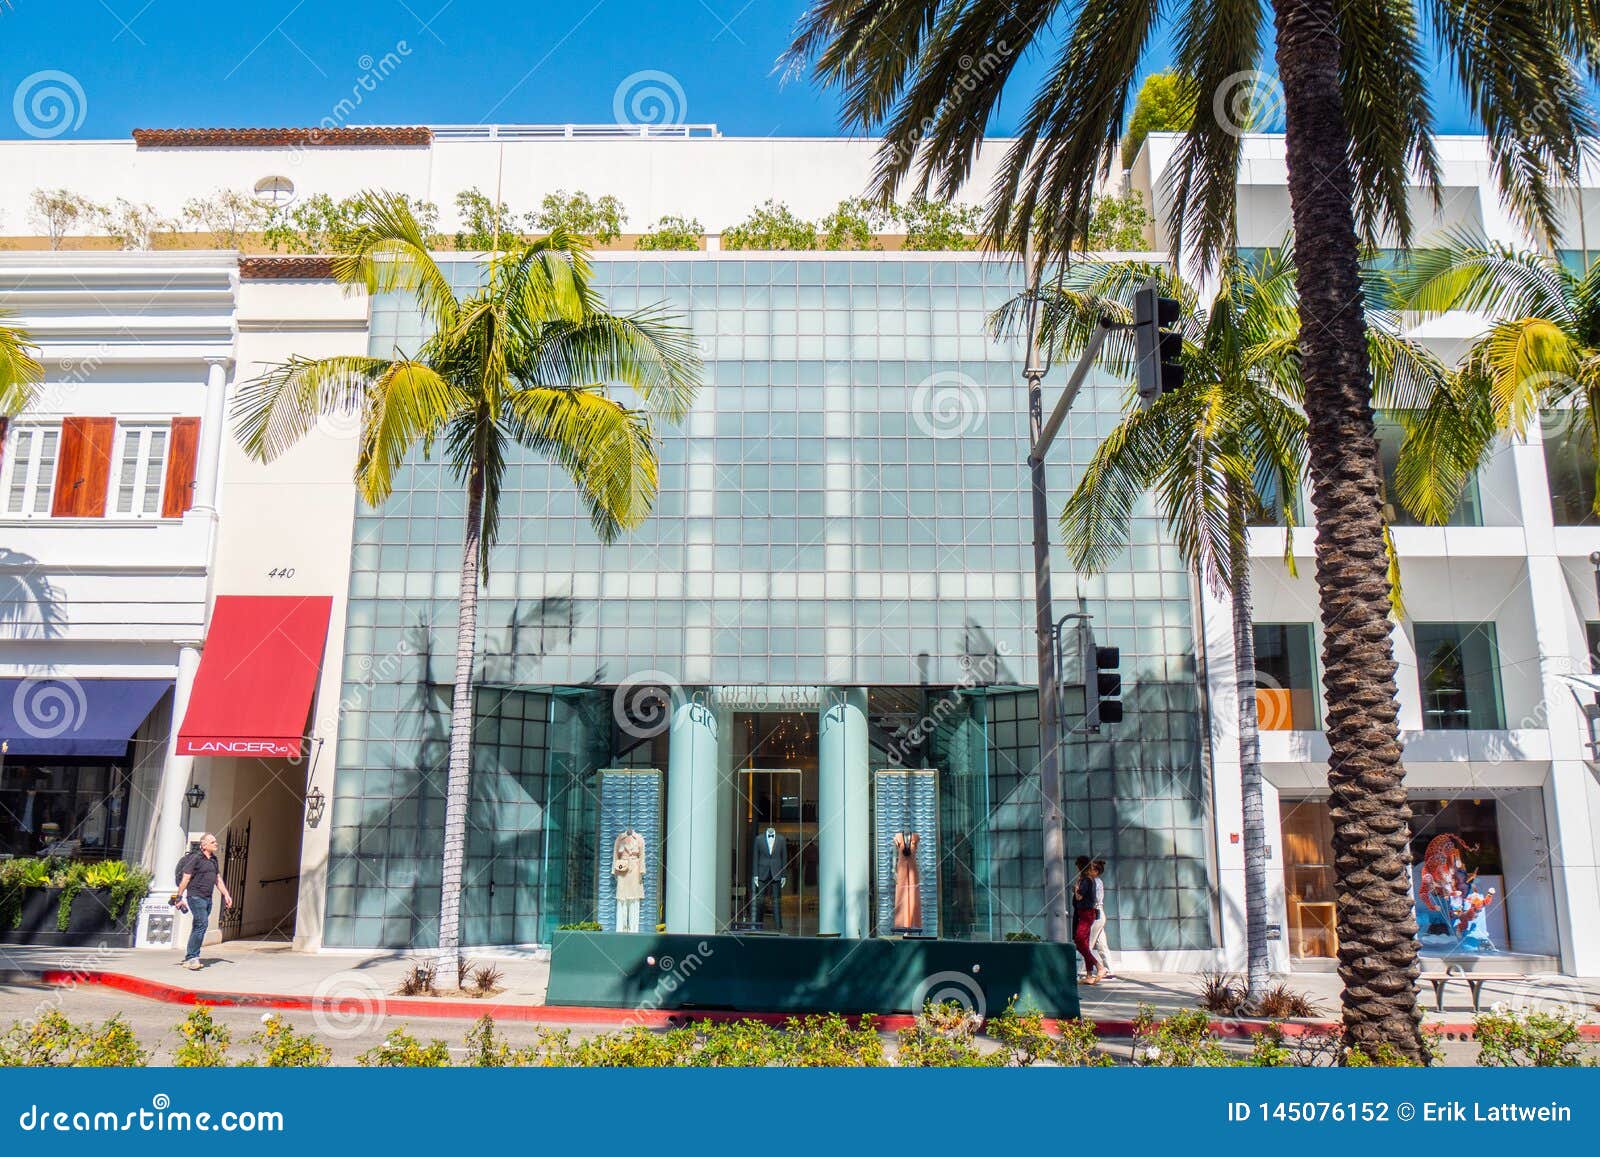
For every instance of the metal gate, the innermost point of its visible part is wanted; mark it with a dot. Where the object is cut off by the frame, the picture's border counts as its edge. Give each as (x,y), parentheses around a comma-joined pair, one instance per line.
(234,861)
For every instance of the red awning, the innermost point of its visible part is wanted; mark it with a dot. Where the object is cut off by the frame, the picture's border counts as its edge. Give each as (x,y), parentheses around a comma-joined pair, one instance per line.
(257,675)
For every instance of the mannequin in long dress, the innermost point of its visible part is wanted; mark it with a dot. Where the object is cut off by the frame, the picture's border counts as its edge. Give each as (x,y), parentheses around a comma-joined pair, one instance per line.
(907,883)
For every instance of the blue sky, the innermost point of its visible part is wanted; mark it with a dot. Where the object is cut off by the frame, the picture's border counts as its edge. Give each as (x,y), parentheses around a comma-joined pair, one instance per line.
(169,63)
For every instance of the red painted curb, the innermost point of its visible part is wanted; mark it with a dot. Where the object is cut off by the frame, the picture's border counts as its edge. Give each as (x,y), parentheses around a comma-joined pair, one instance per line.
(404,1007)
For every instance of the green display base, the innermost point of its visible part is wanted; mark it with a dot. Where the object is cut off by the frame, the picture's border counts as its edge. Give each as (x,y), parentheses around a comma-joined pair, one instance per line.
(805,974)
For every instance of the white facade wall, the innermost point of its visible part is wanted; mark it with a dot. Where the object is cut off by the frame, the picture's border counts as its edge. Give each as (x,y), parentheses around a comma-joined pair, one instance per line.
(137,337)
(1531,579)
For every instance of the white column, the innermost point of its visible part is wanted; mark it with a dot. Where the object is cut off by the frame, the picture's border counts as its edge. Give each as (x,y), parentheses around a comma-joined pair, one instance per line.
(213,425)
(691,844)
(1222,717)
(844,860)
(172,817)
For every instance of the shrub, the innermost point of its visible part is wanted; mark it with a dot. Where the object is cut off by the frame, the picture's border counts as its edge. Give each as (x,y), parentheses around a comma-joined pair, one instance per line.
(940,225)
(1022,938)
(1510,1039)
(484,223)
(599,220)
(1383,1056)
(422,980)
(131,225)
(1117,223)
(772,226)
(1182,1040)
(53,1041)
(1280,1002)
(580,926)
(401,1050)
(1268,1050)
(228,215)
(486,978)
(319,224)
(853,224)
(1024,1042)
(488,1050)
(830,1042)
(675,233)
(1221,992)
(58,212)
(283,1048)
(943,1038)
(205,1042)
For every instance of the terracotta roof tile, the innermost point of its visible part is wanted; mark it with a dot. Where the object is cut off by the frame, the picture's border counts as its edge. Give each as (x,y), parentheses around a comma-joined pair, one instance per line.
(315,268)
(368,135)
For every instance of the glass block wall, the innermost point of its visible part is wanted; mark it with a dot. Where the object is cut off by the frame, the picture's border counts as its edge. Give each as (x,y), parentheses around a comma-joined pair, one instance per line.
(847,505)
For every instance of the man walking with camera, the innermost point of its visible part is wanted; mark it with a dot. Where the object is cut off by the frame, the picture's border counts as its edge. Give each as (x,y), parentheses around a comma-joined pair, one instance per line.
(200,878)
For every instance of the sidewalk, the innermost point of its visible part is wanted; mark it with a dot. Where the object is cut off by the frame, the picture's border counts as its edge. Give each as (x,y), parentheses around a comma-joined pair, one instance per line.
(253,969)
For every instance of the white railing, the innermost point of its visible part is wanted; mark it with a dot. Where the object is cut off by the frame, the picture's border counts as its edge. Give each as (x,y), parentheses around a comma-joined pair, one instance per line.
(571,132)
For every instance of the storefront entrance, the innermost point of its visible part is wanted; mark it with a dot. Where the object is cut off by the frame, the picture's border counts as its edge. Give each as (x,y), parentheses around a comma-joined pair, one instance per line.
(1479,872)
(774,884)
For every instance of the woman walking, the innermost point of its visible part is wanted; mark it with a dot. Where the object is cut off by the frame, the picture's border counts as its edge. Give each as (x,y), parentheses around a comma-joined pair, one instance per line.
(1097,931)
(1083,909)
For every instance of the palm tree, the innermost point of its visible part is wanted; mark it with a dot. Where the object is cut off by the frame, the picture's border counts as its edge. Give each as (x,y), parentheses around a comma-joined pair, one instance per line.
(1541,351)
(19,372)
(1221,452)
(522,361)
(931,75)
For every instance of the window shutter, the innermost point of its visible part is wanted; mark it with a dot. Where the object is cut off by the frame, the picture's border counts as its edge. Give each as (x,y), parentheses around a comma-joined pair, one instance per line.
(84,467)
(5,428)
(178,494)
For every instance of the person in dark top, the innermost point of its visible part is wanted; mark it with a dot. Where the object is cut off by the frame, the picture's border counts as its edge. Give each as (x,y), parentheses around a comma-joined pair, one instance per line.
(200,879)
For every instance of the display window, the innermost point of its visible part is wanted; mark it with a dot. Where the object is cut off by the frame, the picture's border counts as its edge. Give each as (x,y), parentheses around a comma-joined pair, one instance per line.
(75,809)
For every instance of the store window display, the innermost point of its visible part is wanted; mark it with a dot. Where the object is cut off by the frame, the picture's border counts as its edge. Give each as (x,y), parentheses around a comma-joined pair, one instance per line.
(627,866)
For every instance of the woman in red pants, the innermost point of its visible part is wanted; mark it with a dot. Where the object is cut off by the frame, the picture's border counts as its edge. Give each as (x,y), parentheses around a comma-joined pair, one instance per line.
(1083,917)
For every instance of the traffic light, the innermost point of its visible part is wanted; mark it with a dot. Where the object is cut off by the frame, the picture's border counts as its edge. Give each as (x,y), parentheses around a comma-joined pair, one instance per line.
(1105,703)
(1157,344)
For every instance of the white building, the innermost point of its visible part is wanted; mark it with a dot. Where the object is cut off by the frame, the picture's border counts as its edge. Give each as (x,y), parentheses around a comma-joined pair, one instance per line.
(1501,605)
(1504,596)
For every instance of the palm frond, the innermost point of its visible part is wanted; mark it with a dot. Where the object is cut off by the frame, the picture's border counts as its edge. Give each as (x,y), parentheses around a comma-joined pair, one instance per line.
(642,350)
(275,410)
(405,402)
(20,372)
(1467,271)
(608,450)
(388,251)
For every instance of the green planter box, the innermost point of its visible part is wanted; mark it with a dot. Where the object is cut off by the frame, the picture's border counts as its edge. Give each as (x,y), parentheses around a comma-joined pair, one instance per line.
(804,974)
(91,922)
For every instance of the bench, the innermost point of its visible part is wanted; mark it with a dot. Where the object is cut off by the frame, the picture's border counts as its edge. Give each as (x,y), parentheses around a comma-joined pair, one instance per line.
(1474,981)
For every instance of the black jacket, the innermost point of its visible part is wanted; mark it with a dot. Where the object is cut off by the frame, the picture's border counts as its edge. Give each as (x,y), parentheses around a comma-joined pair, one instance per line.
(765,865)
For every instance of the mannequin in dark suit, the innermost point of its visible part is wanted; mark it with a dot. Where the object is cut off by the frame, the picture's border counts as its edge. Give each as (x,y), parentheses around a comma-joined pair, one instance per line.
(769,871)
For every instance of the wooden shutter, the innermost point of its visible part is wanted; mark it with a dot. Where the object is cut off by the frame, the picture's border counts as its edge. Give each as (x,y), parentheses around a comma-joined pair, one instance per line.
(178,494)
(84,467)
(5,427)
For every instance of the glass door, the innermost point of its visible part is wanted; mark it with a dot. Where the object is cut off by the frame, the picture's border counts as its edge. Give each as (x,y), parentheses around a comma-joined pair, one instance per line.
(774,886)
(1308,878)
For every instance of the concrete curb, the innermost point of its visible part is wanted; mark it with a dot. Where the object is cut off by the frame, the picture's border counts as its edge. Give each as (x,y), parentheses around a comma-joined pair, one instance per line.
(402,1008)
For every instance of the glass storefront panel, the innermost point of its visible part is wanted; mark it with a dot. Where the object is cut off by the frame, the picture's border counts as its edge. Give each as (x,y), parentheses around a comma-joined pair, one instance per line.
(820,523)
(78,808)
(774,885)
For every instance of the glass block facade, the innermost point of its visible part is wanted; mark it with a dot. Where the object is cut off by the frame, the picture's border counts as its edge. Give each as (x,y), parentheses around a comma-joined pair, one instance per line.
(847,506)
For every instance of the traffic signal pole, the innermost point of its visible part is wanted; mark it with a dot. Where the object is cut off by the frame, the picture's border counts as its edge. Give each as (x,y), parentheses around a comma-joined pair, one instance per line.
(1042,433)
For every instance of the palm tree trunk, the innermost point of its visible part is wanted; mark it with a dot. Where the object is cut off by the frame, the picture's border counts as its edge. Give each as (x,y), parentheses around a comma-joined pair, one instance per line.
(458,785)
(1258,965)
(1371,820)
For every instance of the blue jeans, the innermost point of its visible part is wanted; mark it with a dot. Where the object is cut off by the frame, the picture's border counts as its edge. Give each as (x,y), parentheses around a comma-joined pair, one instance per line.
(202,917)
